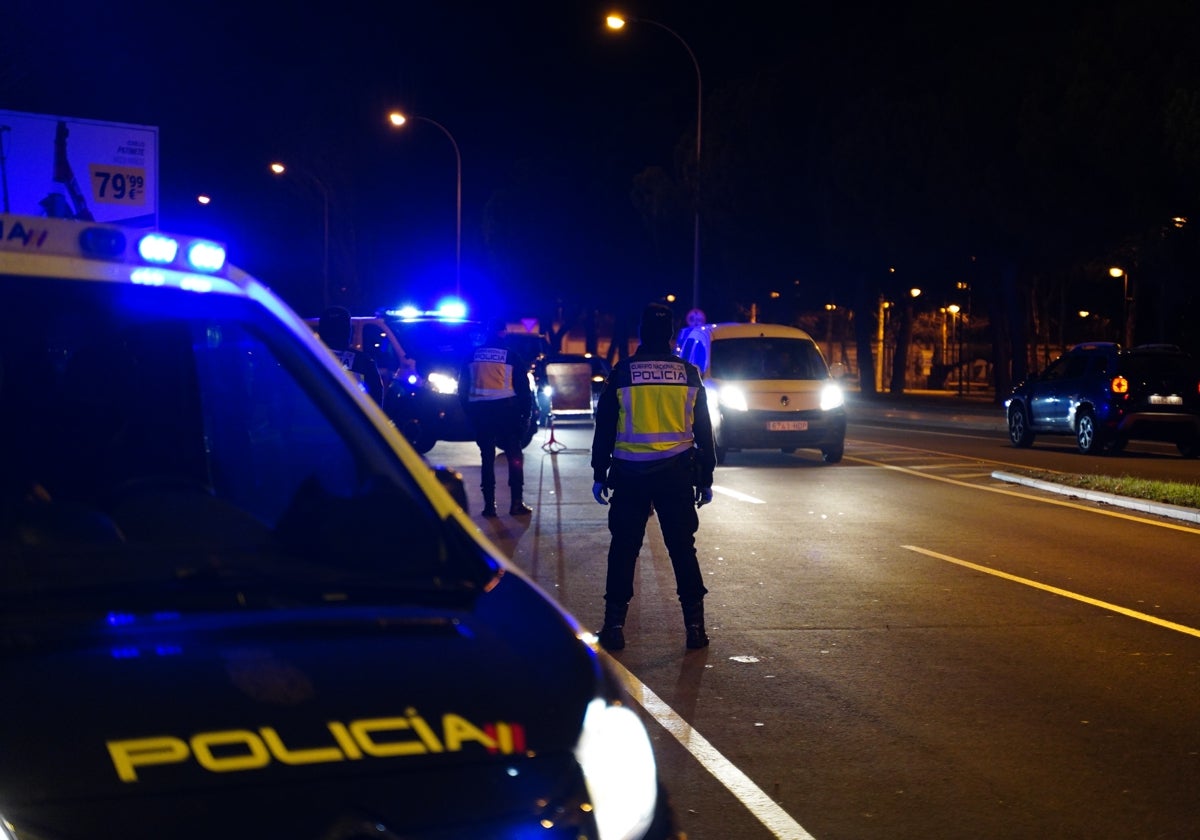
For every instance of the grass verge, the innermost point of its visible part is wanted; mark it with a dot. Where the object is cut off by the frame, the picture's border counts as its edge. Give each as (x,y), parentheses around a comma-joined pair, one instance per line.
(1165,492)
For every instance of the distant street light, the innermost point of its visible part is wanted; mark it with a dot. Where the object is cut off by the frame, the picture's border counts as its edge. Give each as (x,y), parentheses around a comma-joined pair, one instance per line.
(617,22)
(398,119)
(280,169)
(1126,321)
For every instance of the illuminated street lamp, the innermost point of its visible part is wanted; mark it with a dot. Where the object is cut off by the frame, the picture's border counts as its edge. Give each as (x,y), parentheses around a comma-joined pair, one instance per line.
(280,169)
(398,119)
(617,22)
(1126,321)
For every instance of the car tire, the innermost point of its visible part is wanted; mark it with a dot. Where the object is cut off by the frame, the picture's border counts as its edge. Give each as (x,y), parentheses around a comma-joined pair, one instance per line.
(1018,427)
(1087,436)
(833,454)
(1189,448)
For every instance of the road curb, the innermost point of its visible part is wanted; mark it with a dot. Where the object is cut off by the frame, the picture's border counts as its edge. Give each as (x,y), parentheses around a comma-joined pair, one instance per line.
(1144,506)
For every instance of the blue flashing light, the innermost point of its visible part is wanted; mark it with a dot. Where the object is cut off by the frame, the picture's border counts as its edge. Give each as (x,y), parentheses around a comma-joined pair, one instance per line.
(102,242)
(408,311)
(206,256)
(156,248)
(452,308)
(148,277)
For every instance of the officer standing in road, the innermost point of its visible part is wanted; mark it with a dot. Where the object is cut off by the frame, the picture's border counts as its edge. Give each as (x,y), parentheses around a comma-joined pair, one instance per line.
(653,449)
(336,329)
(494,389)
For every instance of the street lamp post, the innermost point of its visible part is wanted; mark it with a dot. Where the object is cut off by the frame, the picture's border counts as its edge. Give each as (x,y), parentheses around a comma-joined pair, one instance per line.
(398,119)
(616,22)
(280,169)
(1126,321)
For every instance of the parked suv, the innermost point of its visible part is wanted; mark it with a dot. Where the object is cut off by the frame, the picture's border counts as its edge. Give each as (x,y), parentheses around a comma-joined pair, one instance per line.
(1106,396)
(768,387)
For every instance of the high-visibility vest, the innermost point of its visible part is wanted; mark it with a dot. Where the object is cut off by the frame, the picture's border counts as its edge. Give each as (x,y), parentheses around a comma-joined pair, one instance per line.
(655,410)
(491,375)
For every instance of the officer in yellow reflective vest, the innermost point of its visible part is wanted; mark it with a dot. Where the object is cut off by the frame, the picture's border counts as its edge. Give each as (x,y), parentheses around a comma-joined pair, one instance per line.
(494,390)
(653,449)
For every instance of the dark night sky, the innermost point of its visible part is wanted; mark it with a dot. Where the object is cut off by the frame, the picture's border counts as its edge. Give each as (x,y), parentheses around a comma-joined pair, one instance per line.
(542,100)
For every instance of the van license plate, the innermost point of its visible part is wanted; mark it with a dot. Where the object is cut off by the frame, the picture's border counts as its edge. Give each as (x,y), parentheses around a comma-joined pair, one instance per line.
(1173,399)
(787,425)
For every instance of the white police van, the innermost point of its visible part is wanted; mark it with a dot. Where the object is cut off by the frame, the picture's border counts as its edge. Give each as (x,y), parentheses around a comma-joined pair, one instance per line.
(235,603)
(768,387)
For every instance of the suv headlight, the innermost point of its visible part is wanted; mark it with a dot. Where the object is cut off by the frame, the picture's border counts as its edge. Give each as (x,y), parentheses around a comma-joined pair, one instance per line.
(443,383)
(617,760)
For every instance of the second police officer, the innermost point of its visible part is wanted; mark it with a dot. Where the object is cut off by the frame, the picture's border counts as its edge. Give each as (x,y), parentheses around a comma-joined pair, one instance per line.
(494,390)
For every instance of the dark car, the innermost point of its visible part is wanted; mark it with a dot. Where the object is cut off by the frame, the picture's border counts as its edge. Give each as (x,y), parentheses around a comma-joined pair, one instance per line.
(424,403)
(235,603)
(569,384)
(1104,396)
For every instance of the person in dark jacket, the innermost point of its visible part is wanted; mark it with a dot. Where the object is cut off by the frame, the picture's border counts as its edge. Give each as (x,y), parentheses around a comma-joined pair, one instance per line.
(494,389)
(336,329)
(653,449)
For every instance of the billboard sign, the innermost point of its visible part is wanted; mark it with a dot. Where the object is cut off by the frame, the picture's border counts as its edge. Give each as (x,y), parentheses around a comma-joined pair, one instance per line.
(81,169)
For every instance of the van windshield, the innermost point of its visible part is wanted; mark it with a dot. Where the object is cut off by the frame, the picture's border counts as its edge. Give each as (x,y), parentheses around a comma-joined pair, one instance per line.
(764,357)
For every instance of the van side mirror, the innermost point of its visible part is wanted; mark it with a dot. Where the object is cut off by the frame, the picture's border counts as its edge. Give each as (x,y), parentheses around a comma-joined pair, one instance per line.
(837,370)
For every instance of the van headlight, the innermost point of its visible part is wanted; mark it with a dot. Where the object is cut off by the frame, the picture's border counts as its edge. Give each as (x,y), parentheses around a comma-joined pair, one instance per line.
(617,760)
(832,397)
(733,398)
(443,383)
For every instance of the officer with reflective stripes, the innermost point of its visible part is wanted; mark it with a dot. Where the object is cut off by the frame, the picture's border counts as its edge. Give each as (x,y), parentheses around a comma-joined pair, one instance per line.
(653,449)
(494,390)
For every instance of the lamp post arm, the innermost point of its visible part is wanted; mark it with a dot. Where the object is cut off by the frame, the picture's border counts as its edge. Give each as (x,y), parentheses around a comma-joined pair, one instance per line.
(699,79)
(457,201)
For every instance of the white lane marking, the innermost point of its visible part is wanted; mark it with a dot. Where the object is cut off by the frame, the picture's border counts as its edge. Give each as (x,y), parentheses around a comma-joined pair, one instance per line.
(734,494)
(1140,616)
(776,820)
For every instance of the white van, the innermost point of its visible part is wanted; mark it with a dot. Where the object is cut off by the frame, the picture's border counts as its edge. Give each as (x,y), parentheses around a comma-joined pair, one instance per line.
(768,388)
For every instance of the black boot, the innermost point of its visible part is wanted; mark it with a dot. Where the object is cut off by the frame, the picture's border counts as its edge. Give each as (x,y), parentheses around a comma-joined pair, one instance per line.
(612,634)
(693,623)
(489,502)
(518,506)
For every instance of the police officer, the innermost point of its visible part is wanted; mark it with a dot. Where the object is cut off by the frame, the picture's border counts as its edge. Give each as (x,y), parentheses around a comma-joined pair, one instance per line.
(494,389)
(335,330)
(653,449)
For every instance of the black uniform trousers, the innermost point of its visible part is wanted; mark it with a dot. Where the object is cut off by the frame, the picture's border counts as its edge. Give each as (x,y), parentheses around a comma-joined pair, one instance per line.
(670,495)
(497,424)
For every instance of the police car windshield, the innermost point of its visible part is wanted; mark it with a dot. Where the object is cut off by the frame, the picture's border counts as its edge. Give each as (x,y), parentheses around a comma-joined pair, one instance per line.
(170,437)
(437,344)
(767,358)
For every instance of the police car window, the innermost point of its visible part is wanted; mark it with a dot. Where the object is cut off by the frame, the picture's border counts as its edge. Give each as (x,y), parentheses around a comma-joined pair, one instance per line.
(137,419)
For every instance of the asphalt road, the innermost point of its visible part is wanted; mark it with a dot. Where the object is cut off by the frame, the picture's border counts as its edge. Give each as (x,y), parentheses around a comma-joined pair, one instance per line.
(904,646)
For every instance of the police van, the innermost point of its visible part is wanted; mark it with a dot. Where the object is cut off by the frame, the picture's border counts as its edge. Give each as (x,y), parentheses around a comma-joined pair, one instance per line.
(768,387)
(236,603)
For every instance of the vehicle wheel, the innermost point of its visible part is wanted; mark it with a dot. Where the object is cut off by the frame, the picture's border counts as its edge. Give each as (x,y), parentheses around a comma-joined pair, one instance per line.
(1087,437)
(787,450)
(833,454)
(1018,426)
(1189,448)
(1117,444)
